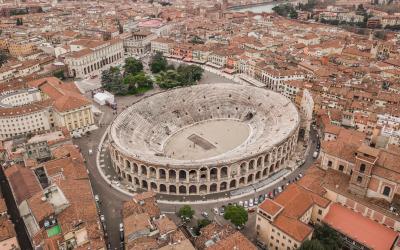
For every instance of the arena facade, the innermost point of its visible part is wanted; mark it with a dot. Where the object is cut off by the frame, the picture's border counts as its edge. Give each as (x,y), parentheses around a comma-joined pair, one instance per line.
(204,139)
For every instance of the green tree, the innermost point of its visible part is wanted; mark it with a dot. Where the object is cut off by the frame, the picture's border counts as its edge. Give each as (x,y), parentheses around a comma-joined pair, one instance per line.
(311,245)
(158,63)
(3,57)
(189,74)
(129,80)
(236,214)
(200,224)
(328,237)
(143,81)
(111,80)
(59,74)
(293,14)
(186,212)
(168,79)
(132,66)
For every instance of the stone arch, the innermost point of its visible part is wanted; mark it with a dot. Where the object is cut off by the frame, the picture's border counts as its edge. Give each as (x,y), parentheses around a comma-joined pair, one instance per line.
(182,175)
(153,186)
(266,159)
(182,189)
(250,178)
(203,189)
(192,189)
(265,172)
(259,162)
(192,175)
(163,188)
(213,187)
(282,161)
(143,169)
(172,189)
(258,175)
(251,164)
(271,168)
(203,173)
(135,168)
(214,174)
(136,181)
(144,184)
(172,175)
(128,164)
(224,172)
(243,168)
(152,171)
(123,175)
(232,184)
(129,177)
(162,174)
(223,186)
(242,181)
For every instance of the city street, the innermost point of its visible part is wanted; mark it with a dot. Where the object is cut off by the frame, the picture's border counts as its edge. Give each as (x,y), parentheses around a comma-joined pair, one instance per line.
(112,199)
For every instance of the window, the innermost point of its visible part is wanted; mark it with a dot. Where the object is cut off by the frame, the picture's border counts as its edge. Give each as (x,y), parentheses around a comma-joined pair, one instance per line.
(341,168)
(319,211)
(359,179)
(362,168)
(329,163)
(386,191)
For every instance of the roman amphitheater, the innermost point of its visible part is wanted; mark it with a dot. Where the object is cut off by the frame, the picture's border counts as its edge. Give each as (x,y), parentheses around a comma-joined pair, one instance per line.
(204,139)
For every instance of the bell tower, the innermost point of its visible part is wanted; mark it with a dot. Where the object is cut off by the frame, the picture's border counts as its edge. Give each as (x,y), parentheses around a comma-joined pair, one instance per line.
(366,158)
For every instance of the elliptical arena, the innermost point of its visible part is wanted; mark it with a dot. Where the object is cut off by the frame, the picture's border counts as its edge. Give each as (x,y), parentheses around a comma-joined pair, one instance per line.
(204,139)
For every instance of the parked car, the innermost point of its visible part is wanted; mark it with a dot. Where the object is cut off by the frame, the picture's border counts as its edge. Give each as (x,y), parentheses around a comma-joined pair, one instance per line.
(102,218)
(241,203)
(222,210)
(215,210)
(280,189)
(204,214)
(315,154)
(255,201)
(246,204)
(251,202)
(97,198)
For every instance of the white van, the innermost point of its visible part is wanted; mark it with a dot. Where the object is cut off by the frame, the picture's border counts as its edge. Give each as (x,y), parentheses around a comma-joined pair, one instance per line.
(315,154)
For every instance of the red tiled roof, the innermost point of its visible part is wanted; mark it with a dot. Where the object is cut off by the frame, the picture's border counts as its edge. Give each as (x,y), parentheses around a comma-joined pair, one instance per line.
(23,182)
(361,229)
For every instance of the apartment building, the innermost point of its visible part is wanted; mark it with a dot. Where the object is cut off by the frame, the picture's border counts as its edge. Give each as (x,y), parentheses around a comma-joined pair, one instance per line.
(40,105)
(283,223)
(90,57)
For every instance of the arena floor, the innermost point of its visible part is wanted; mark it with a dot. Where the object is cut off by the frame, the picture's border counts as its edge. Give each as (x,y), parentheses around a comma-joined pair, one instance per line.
(206,139)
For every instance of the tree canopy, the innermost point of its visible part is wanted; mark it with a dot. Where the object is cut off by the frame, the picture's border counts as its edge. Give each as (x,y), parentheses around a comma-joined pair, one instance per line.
(236,214)
(324,238)
(3,57)
(184,75)
(311,245)
(286,10)
(328,237)
(186,212)
(111,80)
(158,63)
(132,66)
